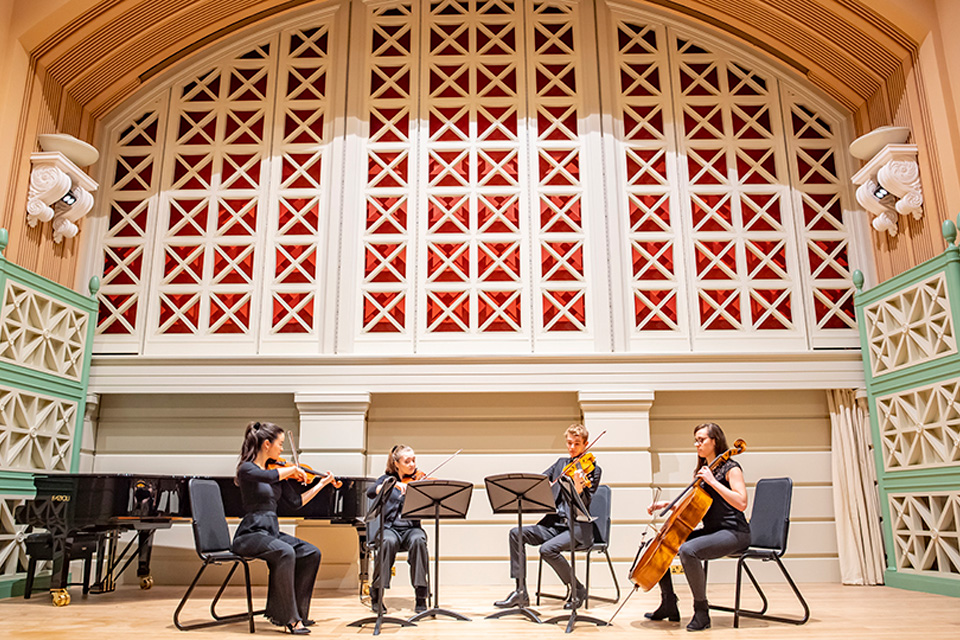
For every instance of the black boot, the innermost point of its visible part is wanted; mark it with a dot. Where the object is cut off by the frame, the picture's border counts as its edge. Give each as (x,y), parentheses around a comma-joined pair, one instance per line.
(375,603)
(668,609)
(423,593)
(575,597)
(701,616)
(517,598)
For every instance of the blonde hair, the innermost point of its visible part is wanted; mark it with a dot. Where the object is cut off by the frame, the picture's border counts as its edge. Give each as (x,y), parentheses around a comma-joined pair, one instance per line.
(398,451)
(577,429)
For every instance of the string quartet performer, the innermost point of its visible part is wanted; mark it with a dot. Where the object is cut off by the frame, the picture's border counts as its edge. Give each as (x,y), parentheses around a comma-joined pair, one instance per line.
(400,534)
(264,479)
(725,529)
(552,533)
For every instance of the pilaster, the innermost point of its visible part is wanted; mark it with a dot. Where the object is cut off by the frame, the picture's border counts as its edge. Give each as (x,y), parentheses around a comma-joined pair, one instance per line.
(333,431)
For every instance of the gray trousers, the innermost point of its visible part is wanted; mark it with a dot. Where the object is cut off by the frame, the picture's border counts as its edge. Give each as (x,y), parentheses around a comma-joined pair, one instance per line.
(413,541)
(553,541)
(701,546)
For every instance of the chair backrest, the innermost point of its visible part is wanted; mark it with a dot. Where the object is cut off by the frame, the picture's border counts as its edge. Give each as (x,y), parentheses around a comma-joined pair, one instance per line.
(210,530)
(600,509)
(770,520)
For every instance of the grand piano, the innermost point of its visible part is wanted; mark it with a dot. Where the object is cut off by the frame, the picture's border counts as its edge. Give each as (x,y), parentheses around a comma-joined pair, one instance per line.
(67,505)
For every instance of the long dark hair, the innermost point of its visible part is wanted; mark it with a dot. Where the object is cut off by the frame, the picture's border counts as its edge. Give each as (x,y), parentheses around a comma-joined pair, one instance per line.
(719,441)
(395,454)
(253,438)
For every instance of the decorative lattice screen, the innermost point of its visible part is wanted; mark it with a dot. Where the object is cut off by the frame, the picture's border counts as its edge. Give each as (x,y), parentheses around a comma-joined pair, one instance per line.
(461,189)
(925,532)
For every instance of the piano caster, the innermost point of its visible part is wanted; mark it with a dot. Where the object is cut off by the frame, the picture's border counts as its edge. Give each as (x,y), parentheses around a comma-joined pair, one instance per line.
(365,589)
(61,597)
(146,582)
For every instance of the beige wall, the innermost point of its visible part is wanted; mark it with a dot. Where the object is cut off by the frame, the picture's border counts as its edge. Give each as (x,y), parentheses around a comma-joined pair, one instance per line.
(787,434)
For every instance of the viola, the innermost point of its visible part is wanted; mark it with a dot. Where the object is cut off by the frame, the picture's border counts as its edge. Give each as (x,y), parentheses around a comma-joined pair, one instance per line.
(311,474)
(653,560)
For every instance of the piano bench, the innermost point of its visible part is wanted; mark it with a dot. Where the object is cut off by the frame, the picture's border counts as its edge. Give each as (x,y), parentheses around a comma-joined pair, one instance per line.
(39,546)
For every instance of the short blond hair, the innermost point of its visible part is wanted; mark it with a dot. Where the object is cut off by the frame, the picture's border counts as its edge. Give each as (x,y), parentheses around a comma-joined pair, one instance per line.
(577,429)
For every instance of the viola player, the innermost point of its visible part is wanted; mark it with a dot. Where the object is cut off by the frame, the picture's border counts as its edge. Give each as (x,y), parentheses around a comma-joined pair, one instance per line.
(400,534)
(551,533)
(293,563)
(725,529)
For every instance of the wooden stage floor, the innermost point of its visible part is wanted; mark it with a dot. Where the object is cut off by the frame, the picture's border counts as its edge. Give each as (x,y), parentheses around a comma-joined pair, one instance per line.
(837,612)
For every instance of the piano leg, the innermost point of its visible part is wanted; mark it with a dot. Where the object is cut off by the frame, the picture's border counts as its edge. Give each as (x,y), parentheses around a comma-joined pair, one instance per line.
(61,568)
(143,563)
(364,560)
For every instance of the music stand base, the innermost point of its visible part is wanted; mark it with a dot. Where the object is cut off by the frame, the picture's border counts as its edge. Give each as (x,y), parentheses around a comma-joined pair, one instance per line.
(573,618)
(379,621)
(528,613)
(438,612)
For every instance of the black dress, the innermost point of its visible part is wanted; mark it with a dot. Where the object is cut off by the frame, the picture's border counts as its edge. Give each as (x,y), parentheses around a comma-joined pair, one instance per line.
(293,562)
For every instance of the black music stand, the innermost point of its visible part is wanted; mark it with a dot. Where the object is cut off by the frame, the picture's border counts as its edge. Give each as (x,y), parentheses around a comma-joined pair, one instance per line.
(437,499)
(519,493)
(376,511)
(576,512)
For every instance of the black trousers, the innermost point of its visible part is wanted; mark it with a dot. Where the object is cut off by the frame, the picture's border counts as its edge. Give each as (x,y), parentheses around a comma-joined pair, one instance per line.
(413,540)
(700,546)
(293,567)
(553,539)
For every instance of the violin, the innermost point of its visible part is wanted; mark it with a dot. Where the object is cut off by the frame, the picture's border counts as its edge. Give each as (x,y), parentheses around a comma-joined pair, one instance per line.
(585,462)
(311,474)
(415,476)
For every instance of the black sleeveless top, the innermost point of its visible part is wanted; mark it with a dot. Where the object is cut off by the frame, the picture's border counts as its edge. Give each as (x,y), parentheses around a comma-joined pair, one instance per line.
(721,514)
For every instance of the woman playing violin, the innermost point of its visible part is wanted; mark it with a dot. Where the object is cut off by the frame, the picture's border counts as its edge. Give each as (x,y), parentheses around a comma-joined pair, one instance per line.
(725,529)
(400,534)
(551,533)
(293,562)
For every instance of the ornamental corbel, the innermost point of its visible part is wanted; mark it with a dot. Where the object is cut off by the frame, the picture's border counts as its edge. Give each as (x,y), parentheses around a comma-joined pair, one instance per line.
(59,190)
(889,182)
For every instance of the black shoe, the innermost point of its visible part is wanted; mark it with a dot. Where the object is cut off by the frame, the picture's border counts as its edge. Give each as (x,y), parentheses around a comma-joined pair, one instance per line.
(518,598)
(297,631)
(668,609)
(575,601)
(701,616)
(422,595)
(421,606)
(308,622)
(377,606)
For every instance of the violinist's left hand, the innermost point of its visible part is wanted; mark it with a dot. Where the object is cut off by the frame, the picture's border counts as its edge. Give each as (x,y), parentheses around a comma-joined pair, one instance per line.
(705,475)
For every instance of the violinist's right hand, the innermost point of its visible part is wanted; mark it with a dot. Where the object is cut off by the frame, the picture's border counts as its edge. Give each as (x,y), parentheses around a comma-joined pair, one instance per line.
(656,506)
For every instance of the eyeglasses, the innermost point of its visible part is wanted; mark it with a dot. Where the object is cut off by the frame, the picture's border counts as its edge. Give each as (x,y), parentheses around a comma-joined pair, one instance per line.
(699,441)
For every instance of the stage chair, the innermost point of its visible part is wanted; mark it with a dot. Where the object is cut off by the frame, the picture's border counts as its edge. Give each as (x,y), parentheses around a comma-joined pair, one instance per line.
(211,537)
(599,509)
(769,528)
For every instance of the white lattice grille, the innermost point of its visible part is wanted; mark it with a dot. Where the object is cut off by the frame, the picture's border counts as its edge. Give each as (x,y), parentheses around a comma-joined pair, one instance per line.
(36,432)
(41,332)
(758,178)
(820,194)
(926,532)
(129,196)
(13,555)
(390,113)
(474,180)
(921,427)
(911,327)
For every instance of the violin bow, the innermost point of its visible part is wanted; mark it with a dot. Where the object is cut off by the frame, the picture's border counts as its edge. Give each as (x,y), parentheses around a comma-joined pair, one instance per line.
(437,468)
(293,446)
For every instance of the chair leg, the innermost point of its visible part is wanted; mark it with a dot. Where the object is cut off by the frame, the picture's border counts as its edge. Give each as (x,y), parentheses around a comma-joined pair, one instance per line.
(246,579)
(739,612)
(223,586)
(586,599)
(613,574)
(31,574)
(539,578)
(796,592)
(87,567)
(186,596)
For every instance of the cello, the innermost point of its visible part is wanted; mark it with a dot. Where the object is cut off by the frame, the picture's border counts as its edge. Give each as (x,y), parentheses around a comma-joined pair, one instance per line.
(653,560)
